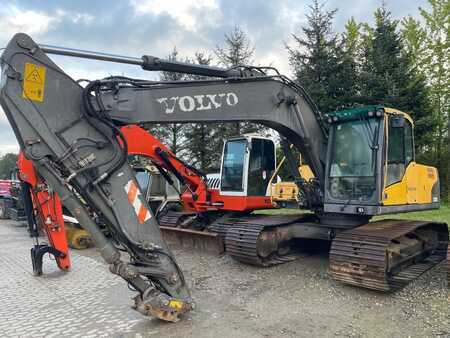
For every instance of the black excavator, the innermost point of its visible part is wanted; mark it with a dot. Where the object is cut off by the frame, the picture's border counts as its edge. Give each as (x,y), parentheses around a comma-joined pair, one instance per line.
(362,162)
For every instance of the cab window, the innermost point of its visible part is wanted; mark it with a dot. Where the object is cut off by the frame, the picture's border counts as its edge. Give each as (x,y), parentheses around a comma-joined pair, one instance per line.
(233,165)
(400,148)
(261,166)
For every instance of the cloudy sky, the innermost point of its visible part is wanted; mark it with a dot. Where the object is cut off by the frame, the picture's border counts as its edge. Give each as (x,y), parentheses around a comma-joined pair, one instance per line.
(137,27)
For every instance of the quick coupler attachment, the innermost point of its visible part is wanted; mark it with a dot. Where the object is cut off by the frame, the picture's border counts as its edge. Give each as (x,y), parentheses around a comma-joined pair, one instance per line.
(160,305)
(37,254)
(152,301)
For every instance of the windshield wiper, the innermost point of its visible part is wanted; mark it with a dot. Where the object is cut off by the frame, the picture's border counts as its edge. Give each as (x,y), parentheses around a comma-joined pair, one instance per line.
(372,135)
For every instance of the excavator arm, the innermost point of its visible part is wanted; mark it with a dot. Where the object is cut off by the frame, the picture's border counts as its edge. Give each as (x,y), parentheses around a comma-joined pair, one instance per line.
(81,158)
(44,211)
(273,101)
(141,142)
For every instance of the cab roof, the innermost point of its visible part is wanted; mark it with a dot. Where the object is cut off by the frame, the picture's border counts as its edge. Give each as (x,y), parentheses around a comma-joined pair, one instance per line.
(361,112)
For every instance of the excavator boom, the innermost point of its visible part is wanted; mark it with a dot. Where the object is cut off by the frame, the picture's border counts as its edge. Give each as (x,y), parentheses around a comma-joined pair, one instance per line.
(79,155)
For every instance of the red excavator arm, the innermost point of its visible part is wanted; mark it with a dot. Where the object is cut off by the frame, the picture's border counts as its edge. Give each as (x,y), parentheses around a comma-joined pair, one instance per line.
(44,210)
(197,197)
(141,142)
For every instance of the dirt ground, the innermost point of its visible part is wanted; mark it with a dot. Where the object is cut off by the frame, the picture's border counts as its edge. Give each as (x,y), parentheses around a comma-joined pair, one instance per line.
(296,299)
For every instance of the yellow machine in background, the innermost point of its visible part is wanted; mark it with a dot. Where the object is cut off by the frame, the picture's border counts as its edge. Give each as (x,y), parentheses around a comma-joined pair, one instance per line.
(288,191)
(77,237)
(283,193)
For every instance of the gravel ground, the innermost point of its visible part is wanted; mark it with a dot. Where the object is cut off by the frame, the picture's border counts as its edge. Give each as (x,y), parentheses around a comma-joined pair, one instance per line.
(299,299)
(296,299)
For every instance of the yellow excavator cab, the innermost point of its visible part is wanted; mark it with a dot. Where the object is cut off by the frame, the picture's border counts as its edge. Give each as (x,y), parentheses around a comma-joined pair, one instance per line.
(405,181)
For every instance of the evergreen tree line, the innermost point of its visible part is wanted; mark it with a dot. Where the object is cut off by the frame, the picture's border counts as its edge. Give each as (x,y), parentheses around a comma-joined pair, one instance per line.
(201,143)
(399,63)
(402,64)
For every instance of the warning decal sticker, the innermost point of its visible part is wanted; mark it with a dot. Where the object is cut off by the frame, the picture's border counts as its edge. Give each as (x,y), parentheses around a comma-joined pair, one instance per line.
(34,82)
(134,194)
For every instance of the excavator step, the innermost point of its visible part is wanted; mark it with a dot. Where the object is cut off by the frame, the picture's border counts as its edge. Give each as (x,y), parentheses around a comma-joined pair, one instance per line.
(387,255)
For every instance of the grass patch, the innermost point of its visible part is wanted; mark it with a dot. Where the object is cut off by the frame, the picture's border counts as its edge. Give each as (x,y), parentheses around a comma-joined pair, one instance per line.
(438,215)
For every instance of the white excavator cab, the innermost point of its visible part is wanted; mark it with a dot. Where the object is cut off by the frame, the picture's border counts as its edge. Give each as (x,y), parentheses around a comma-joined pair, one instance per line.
(248,163)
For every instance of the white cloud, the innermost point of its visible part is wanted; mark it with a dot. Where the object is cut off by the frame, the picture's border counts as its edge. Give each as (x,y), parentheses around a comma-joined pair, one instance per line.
(9,148)
(83,18)
(14,20)
(2,114)
(8,143)
(186,12)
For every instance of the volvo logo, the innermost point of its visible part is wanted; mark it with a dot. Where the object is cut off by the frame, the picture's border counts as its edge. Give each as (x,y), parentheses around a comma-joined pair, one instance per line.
(197,102)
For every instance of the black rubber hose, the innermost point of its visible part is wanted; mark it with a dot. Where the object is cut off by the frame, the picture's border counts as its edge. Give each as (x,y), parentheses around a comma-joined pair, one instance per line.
(28,206)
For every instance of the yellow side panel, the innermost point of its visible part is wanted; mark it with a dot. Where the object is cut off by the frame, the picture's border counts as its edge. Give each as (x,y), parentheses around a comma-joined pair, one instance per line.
(285,191)
(288,191)
(305,172)
(415,187)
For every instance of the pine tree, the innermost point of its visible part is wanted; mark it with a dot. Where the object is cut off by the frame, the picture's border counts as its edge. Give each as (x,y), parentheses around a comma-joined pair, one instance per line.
(321,62)
(436,66)
(349,55)
(237,50)
(388,76)
(172,135)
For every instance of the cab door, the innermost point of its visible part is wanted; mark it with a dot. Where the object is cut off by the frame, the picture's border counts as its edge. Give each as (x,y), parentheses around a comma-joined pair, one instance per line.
(233,173)
(261,166)
(400,179)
